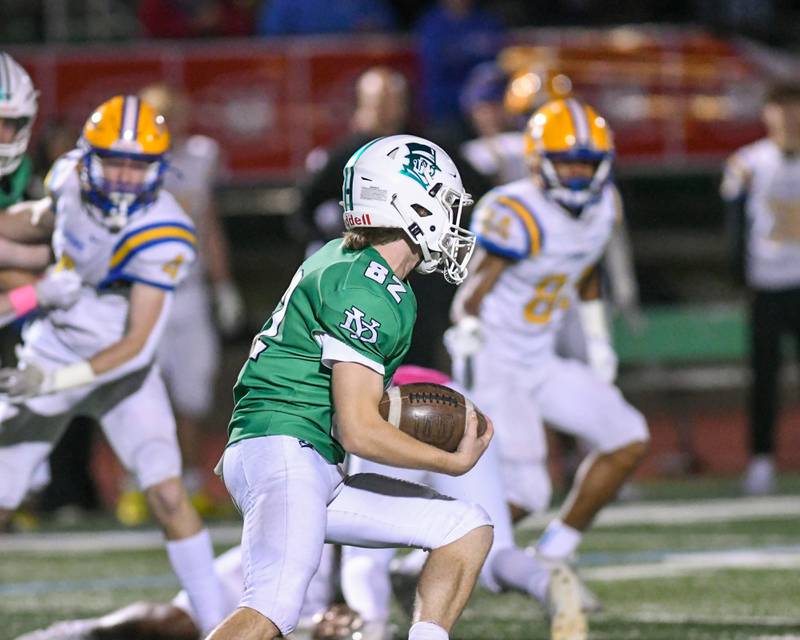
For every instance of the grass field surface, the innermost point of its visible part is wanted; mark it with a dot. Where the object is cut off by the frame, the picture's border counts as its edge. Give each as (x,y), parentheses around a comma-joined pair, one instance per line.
(673,566)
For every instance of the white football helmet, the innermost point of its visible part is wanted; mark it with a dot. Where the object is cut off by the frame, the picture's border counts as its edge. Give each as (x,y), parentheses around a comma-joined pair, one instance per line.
(18,105)
(410,183)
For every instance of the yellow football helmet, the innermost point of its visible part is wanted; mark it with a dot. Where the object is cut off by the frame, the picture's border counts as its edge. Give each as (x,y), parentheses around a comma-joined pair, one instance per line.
(570,131)
(125,143)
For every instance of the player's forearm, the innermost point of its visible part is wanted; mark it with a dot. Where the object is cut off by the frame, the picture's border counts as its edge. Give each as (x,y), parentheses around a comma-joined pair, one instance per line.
(29,222)
(28,257)
(377,440)
(117,355)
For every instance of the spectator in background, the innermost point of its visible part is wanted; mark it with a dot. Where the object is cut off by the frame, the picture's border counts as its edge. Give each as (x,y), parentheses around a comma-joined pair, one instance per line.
(761,187)
(453,37)
(381,110)
(306,17)
(196,18)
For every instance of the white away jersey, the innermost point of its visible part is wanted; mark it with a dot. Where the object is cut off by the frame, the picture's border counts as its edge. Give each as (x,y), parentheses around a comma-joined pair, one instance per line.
(550,250)
(156,248)
(770,183)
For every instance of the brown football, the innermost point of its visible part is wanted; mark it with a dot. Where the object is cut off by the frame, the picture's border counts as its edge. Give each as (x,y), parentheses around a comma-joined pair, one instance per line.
(429,412)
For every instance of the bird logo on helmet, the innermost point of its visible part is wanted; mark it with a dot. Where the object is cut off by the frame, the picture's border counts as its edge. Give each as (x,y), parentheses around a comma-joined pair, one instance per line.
(18,107)
(568,131)
(410,183)
(125,144)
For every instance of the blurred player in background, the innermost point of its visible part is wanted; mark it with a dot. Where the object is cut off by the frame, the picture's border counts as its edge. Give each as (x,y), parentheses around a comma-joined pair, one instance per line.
(761,187)
(365,572)
(540,241)
(131,244)
(207,294)
(333,343)
(496,102)
(22,256)
(497,151)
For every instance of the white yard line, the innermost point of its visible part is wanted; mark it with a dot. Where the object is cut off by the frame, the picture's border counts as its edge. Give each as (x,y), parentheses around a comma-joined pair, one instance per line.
(99,541)
(664,513)
(680,512)
(679,618)
(680,564)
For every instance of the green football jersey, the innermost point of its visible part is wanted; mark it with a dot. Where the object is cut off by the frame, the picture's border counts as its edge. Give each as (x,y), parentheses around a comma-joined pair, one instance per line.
(344,304)
(13,186)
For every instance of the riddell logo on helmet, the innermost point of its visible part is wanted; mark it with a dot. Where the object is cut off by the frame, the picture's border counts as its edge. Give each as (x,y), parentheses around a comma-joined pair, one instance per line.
(357,221)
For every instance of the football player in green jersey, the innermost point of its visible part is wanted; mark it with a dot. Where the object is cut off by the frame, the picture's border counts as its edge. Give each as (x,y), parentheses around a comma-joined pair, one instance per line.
(18,107)
(310,391)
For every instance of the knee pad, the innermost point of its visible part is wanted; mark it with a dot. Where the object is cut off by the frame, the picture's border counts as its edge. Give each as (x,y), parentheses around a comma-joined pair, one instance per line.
(471,517)
(527,485)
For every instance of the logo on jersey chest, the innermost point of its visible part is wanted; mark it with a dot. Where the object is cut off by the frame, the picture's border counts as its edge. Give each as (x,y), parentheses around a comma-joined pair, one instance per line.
(358,328)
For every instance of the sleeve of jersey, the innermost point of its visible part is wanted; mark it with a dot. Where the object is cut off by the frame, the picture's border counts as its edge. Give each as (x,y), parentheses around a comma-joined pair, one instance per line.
(57,177)
(504,226)
(158,255)
(358,326)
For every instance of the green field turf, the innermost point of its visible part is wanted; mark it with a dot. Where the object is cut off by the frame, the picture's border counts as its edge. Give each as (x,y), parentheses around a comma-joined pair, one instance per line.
(736,578)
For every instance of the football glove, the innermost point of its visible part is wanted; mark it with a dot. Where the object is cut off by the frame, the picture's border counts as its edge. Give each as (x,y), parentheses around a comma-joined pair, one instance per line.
(464,338)
(58,288)
(600,354)
(20,383)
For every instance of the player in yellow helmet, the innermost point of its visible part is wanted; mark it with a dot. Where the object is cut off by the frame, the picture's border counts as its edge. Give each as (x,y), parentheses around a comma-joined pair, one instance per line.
(131,245)
(125,145)
(540,241)
(570,148)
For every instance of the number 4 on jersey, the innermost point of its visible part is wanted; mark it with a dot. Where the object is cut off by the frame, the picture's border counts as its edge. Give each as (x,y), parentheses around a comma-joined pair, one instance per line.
(276,319)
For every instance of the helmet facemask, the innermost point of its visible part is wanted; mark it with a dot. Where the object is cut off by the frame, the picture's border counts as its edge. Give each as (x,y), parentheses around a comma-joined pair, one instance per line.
(575,193)
(112,199)
(11,152)
(450,251)
(18,108)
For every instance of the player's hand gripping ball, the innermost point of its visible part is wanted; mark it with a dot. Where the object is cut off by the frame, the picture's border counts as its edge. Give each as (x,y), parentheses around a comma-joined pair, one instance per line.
(431,413)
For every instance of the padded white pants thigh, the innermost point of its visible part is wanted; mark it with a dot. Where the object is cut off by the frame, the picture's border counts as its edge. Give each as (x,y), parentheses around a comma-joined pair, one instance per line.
(292,500)
(282,490)
(574,400)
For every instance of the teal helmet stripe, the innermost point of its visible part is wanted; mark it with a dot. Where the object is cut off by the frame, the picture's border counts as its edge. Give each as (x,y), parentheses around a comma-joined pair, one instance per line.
(347,185)
(5,78)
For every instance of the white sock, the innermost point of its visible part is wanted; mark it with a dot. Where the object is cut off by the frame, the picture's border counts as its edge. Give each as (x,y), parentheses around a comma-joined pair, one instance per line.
(427,631)
(558,541)
(515,569)
(192,560)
